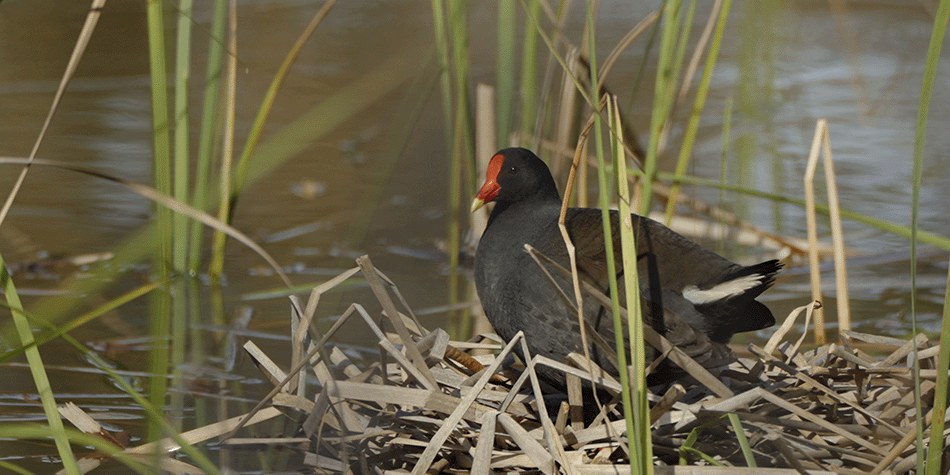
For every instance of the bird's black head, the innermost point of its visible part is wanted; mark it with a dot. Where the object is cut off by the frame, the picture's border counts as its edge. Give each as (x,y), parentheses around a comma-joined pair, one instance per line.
(516,174)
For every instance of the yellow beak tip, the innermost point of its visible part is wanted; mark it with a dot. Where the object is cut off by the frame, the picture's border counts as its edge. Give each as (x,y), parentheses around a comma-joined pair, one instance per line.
(476,204)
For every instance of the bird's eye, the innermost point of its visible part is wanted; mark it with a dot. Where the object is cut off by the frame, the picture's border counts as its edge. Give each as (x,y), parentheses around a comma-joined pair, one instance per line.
(513,171)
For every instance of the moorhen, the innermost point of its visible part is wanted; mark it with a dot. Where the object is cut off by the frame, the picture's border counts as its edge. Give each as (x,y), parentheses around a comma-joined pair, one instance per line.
(694,297)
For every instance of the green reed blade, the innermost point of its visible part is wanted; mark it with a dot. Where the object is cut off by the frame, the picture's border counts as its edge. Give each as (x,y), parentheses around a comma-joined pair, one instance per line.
(208,130)
(38,371)
(689,138)
(529,80)
(935,449)
(37,432)
(639,441)
(181,224)
(743,441)
(505,72)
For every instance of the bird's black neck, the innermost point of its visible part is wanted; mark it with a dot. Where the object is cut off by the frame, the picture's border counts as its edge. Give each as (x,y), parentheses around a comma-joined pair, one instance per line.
(500,207)
(533,206)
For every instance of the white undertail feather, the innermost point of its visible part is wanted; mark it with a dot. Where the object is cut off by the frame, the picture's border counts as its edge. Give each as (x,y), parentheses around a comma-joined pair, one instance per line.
(722,291)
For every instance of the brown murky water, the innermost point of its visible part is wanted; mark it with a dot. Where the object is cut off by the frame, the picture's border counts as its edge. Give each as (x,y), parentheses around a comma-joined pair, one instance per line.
(781,67)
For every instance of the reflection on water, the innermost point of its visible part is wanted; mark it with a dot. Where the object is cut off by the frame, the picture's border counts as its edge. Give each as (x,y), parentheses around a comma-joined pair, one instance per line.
(845,67)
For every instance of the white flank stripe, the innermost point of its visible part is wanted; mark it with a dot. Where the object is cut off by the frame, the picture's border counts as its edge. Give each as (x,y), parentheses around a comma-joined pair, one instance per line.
(721,291)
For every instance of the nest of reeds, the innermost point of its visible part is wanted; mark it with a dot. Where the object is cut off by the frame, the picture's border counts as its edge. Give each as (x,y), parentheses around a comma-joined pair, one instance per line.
(420,408)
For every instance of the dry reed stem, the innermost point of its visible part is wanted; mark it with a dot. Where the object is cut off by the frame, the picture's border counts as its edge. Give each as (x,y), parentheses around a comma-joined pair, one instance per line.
(92,18)
(369,272)
(485,140)
(435,444)
(788,324)
(564,127)
(484,143)
(821,147)
(837,232)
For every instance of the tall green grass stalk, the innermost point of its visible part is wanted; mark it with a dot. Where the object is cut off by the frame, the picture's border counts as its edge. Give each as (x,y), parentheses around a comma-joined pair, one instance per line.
(689,138)
(685,29)
(940,396)
(225,178)
(442,24)
(160,130)
(452,46)
(442,56)
(464,144)
(935,449)
(505,72)
(639,441)
(604,203)
(664,90)
(181,222)
(158,364)
(159,321)
(464,141)
(208,129)
(38,371)
(529,80)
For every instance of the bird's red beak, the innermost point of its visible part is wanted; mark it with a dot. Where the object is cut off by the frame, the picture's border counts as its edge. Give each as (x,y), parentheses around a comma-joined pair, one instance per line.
(491,187)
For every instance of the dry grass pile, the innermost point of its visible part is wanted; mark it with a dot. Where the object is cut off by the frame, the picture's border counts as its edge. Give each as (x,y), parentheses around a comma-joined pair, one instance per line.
(419,409)
(424,405)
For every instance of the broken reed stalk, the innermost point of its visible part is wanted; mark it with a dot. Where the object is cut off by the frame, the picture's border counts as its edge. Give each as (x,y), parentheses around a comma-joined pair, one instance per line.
(811,221)
(837,232)
(484,149)
(821,147)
